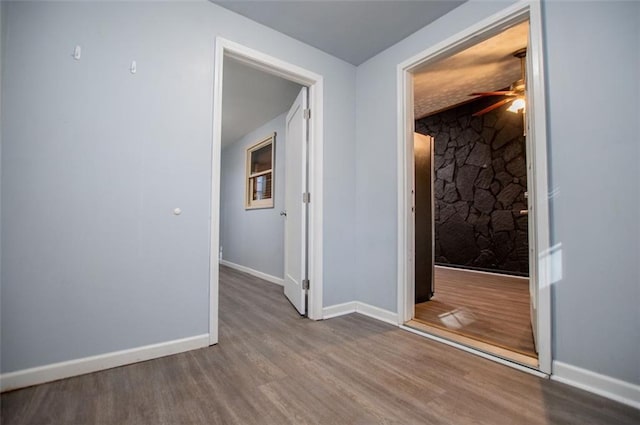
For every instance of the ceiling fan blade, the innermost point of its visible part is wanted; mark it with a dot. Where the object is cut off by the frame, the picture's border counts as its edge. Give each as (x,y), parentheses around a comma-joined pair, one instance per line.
(494,93)
(494,106)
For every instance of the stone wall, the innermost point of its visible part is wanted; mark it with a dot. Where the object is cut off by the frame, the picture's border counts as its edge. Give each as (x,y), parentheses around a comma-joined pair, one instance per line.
(480,182)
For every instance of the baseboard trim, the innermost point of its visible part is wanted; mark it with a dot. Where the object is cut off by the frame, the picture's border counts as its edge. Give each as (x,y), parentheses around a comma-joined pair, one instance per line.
(253,272)
(483,272)
(339,310)
(362,308)
(377,313)
(55,371)
(603,385)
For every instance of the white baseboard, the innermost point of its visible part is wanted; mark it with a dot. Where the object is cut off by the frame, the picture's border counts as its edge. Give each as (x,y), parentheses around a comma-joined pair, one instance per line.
(338,310)
(483,272)
(53,372)
(377,313)
(252,272)
(606,386)
(362,308)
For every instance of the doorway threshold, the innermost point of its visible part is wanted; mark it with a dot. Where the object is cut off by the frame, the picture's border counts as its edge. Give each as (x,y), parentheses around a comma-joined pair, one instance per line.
(499,354)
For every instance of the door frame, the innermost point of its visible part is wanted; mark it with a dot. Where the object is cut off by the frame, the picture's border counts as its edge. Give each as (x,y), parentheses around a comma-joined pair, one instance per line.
(483,30)
(225,48)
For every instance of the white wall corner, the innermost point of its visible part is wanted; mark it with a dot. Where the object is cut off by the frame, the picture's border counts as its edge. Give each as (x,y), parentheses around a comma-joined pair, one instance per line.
(339,310)
(603,385)
(252,272)
(55,371)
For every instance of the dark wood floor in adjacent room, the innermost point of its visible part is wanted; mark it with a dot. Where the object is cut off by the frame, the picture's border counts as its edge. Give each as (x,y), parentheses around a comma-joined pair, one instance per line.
(487,307)
(274,367)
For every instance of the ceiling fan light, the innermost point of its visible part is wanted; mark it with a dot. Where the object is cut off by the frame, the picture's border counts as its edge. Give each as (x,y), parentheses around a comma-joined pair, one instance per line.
(517,105)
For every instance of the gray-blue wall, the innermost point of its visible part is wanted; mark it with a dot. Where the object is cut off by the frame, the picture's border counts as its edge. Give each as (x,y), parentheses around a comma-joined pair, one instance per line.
(253,238)
(2,40)
(591,54)
(95,159)
(593,112)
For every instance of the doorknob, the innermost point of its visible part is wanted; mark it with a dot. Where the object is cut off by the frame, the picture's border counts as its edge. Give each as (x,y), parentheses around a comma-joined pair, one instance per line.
(283,213)
(524,212)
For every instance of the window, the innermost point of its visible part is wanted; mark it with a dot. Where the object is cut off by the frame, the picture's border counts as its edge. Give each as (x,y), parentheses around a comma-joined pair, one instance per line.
(260,161)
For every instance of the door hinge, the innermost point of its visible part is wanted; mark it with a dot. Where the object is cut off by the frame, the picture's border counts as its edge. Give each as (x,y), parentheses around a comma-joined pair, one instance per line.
(307,114)
(306,197)
(305,284)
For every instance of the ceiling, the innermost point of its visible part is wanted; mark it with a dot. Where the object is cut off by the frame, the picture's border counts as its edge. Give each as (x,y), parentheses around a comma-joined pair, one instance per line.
(352,30)
(251,98)
(487,66)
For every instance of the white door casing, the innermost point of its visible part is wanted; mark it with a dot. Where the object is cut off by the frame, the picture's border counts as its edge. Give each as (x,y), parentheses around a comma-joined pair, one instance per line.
(295,233)
(315,82)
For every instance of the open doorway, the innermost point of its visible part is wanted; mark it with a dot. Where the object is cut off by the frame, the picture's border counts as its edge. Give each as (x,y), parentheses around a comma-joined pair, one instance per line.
(254,177)
(300,125)
(475,227)
(253,112)
(471,211)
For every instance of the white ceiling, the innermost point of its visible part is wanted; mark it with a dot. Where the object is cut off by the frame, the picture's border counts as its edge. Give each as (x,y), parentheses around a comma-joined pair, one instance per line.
(487,66)
(352,30)
(251,98)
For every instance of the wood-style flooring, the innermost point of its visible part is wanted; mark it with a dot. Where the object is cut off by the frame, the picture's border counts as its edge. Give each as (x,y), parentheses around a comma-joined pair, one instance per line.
(273,367)
(487,307)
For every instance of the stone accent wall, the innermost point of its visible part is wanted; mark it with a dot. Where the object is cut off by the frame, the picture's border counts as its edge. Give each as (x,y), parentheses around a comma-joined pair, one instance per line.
(480,181)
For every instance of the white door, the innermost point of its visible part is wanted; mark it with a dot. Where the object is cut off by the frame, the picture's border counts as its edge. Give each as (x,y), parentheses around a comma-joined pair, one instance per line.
(295,237)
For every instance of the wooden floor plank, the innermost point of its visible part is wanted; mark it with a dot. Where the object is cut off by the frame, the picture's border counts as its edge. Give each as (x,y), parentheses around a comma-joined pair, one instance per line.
(273,367)
(490,308)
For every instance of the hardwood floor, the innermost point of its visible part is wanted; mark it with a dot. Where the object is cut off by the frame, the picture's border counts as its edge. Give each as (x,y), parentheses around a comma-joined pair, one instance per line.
(490,308)
(274,367)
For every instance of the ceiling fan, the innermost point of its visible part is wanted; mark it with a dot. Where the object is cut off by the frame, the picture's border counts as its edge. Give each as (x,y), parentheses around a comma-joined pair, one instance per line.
(515,94)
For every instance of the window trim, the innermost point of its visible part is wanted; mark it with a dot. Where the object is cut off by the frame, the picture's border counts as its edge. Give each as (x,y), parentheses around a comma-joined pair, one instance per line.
(250,204)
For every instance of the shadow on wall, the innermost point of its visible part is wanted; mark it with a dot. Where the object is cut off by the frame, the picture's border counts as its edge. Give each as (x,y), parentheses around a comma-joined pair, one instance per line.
(479,188)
